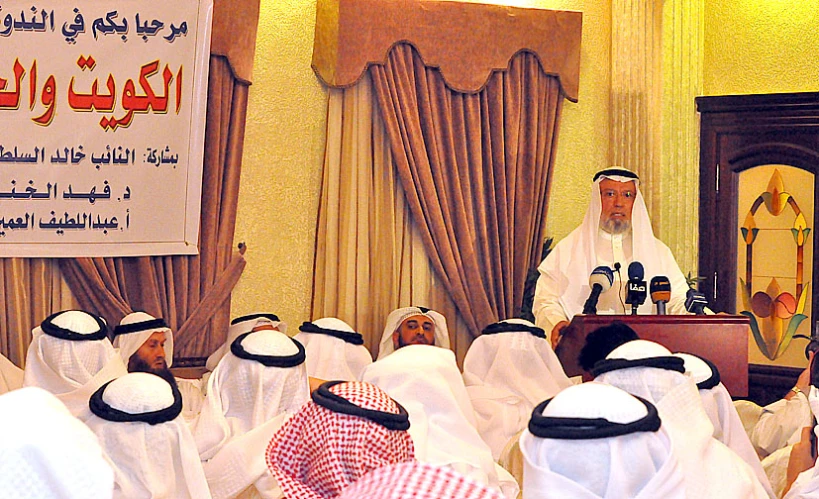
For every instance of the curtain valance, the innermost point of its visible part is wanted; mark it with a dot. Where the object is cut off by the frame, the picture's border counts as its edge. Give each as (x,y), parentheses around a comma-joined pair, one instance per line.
(467,41)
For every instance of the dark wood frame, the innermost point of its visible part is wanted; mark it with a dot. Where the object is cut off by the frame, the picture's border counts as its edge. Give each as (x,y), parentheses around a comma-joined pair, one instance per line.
(738,132)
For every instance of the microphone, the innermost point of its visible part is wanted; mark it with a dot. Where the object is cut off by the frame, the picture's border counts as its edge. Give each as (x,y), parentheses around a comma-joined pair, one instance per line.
(695,301)
(636,286)
(599,281)
(660,289)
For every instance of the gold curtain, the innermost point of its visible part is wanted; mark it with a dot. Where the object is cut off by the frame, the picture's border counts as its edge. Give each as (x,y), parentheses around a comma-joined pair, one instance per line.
(32,289)
(191,292)
(475,171)
(369,255)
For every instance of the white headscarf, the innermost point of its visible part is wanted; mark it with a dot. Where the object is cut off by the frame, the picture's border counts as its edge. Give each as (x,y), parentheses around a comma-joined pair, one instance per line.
(46,452)
(71,356)
(134,329)
(334,350)
(398,316)
(508,370)
(11,376)
(568,461)
(427,382)
(136,418)
(648,370)
(718,405)
(241,325)
(244,393)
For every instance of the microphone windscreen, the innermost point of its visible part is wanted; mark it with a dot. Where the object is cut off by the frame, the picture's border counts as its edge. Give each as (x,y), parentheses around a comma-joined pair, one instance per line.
(660,289)
(635,271)
(603,276)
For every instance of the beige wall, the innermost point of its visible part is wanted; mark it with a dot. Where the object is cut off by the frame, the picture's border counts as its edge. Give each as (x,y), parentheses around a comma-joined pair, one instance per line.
(761,46)
(281,171)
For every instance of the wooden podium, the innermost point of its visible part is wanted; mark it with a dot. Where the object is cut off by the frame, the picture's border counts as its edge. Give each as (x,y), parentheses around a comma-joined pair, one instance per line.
(722,339)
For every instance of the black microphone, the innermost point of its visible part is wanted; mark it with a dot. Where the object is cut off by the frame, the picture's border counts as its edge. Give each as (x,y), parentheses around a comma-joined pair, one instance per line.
(599,281)
(636,286)
(695,301)
(660,289)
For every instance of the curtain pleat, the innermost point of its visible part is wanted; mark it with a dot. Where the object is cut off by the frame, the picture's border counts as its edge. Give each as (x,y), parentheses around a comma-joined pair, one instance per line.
(475,172)
(191,292)
(32,289)
(369,256)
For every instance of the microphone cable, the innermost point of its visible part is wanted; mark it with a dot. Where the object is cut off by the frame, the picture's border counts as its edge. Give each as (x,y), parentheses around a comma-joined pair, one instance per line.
(620,286)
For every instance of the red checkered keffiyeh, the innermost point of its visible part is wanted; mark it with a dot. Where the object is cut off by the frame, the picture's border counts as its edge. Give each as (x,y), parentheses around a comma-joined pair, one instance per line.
(318,453)
(417,481)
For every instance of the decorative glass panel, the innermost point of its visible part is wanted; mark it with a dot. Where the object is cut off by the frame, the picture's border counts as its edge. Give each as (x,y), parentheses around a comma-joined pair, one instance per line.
(775,260)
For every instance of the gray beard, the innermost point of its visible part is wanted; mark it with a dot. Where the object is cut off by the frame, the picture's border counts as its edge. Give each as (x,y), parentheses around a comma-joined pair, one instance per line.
(615,226)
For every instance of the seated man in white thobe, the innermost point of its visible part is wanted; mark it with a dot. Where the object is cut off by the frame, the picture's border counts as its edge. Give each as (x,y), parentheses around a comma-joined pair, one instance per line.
(46,452)
(346,431)
(254,388)
(137,420)
(70,356)
(333,349)
(11,376)
(508,370)
(720,409)
(413,326)
(426,380)
(241,325)
(145,344)
(775,428)
(648,370)
(594,440)
(615,232)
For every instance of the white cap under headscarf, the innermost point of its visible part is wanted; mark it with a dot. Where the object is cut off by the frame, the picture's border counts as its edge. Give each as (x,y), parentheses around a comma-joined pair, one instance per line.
(718,405)
(136,418)
(334,350)
(70,356)
(46,452)
(594,440)
(508,370)
(426,381)
(398,316)
(134,330)
(241,325)
(648,370)
(11,376)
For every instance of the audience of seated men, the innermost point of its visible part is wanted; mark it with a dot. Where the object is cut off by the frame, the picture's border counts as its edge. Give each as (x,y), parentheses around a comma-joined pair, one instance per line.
(648,370)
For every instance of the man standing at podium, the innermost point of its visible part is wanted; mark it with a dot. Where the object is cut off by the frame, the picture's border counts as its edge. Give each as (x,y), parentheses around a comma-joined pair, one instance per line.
(615,232)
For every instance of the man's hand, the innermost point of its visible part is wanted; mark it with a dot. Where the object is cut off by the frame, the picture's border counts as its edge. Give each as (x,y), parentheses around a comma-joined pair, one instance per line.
(557,331)
(801,458)
(803,381)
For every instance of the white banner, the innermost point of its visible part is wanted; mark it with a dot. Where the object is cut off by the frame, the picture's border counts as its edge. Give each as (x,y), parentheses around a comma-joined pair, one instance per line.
(102,105)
